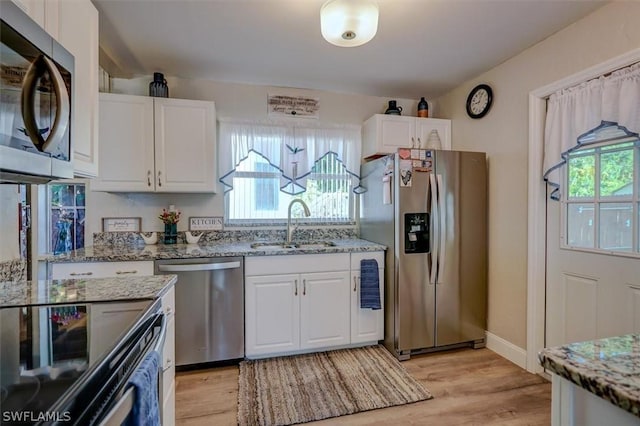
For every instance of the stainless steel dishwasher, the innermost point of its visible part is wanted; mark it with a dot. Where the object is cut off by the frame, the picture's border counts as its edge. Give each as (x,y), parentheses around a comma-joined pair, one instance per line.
(209,308)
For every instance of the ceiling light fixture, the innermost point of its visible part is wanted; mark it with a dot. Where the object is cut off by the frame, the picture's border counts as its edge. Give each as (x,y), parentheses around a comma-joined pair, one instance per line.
(349,23)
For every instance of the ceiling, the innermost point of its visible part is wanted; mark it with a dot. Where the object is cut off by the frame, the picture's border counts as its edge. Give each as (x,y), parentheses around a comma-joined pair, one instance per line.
(422,48)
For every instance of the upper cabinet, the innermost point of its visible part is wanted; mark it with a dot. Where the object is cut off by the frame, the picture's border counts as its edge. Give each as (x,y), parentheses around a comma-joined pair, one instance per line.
(74,23)
(78,33)
(385,133)
(156,145)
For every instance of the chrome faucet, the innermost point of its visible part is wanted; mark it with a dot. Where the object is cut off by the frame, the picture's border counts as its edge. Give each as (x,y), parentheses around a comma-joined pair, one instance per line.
(290,229)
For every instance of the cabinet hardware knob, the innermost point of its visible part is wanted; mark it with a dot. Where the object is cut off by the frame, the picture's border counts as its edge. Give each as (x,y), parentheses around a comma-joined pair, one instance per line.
(148,177)
(354,283)
(126,272)
(159,181)
(295,283)
(304,287)
(75,274)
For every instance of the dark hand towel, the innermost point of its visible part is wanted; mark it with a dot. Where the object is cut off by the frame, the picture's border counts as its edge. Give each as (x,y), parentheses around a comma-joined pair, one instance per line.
(369,284)
(146,408)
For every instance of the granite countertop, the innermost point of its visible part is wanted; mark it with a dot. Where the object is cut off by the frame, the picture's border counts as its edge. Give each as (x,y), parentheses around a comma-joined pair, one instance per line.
(608,368)
(51,292)
(184,251)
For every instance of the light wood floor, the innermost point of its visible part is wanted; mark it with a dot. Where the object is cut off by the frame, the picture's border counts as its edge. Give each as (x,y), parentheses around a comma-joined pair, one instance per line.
(470,387)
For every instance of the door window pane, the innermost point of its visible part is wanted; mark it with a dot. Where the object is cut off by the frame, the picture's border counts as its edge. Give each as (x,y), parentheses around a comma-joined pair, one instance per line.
(616,231)
(580,225)
(582,173)
(616,173)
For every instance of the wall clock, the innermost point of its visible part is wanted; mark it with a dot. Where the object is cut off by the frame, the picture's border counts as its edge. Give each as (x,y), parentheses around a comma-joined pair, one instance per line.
(479,101)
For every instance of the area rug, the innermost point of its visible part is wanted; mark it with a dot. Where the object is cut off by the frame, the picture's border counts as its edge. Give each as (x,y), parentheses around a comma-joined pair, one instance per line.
(303,388)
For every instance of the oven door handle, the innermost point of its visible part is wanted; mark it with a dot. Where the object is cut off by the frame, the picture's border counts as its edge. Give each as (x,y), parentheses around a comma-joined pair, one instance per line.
(117,415)
(61,122)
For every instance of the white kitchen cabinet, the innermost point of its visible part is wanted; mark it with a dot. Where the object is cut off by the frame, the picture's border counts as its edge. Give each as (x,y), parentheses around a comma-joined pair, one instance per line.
(156,145)
(367,325)
(305,308)
(168,397)
(384,133)
(78,33)
(109,321)
(272,314)
(66,270)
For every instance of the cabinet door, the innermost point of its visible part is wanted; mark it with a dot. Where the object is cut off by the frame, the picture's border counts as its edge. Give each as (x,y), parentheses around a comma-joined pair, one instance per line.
(324,309)
(185,145)
(78,33)
(109,321)
(367,325)
(424,127)
(384,134)
(272,314)
(126,159)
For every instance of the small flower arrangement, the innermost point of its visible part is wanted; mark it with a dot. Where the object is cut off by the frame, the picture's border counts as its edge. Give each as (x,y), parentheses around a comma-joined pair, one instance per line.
(169,217)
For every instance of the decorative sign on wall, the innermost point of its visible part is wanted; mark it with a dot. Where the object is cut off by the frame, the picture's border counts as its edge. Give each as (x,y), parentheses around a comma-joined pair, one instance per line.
(213,223)
(298,106)
(121,224)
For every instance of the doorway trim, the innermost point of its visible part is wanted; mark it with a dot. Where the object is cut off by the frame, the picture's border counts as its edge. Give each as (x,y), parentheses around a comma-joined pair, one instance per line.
(536,222)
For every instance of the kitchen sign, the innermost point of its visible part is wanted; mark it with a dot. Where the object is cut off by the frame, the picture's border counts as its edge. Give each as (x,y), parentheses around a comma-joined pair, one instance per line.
(121,224)
(213,223)
(296,106)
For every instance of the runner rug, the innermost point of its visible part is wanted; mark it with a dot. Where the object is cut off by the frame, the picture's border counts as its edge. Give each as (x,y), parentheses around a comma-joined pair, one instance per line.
(303,388)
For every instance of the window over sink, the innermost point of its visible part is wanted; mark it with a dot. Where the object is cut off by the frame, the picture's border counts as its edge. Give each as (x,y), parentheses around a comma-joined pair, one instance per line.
(268,165)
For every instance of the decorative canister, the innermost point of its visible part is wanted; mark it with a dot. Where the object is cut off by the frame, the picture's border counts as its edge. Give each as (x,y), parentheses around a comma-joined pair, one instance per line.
(158,87)
(393,109)
(423,108)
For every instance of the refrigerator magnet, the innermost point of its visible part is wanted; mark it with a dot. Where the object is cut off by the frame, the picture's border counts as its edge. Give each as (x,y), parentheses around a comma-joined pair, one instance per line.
(406,171)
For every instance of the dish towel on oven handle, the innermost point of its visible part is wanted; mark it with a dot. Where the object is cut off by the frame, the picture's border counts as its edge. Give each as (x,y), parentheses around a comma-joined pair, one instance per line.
(146,407)
(369,284)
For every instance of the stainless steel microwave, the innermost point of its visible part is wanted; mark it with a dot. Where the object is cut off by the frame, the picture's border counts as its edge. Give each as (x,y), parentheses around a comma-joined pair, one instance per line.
(36,76)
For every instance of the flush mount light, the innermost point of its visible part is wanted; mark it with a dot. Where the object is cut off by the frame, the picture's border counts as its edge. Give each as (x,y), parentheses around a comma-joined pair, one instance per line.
(349,23)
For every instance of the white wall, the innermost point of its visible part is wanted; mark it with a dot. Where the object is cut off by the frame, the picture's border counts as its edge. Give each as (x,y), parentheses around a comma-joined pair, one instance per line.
(503,134)
(240,101)
(9,243)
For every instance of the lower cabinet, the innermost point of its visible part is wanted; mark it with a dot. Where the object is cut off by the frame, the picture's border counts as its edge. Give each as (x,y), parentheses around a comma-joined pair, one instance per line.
(302,303)
(367,325)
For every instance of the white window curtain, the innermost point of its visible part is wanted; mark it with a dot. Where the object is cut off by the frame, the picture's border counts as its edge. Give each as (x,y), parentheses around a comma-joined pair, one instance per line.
(293,150)
(571,113)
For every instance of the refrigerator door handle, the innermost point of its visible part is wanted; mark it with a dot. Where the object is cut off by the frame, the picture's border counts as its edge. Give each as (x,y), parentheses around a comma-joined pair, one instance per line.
(435,231)
(442,215)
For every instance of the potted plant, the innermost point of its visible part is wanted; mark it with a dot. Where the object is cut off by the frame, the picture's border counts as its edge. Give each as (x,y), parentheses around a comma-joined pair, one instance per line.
(170,218)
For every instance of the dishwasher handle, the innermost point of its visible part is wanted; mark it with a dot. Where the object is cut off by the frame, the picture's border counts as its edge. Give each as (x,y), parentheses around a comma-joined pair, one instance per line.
(187,267)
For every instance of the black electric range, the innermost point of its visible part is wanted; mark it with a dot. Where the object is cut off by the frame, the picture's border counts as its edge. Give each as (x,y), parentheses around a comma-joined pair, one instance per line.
(48,354)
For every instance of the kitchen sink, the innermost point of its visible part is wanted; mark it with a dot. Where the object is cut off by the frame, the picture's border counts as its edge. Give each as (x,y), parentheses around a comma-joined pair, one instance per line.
(300,245)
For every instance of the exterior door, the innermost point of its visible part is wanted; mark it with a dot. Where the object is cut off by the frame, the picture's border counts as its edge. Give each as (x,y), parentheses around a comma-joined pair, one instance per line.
(593,269)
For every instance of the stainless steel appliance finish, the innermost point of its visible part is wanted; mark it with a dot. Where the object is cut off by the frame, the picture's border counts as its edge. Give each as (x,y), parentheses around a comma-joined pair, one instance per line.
(436,261)
(52,368)
(209,308)
(36,107)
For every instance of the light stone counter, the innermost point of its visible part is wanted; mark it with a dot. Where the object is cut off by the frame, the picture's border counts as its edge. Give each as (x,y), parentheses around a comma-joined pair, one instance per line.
(51,292)
(126,252)
(607,368)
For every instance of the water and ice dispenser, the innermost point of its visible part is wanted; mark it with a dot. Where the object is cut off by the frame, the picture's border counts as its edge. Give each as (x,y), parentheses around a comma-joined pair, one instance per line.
(416,232)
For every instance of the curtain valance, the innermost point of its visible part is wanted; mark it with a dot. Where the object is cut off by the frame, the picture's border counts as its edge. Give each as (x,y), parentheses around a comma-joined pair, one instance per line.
(571,113)
(293,150)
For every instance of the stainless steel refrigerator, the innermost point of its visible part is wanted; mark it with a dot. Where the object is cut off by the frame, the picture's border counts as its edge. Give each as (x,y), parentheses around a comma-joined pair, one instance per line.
(430,209)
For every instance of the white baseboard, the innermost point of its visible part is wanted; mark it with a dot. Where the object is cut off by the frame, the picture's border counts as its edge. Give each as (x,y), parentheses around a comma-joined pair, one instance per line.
(507,350)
